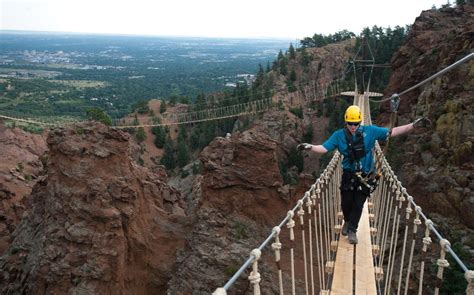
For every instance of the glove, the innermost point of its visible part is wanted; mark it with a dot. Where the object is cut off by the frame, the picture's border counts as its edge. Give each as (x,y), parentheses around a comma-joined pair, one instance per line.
(421,123)
(304,146)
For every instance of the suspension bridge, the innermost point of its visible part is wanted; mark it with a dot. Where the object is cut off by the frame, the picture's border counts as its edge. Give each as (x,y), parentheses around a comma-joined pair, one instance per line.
(311,92)
(394,236)
(330,264)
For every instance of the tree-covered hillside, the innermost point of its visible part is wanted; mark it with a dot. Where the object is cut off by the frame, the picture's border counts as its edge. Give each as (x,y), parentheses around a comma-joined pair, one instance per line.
(65,74)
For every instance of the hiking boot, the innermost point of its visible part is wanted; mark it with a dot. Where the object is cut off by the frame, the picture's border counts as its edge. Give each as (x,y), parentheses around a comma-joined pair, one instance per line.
(352,236)
(345,228)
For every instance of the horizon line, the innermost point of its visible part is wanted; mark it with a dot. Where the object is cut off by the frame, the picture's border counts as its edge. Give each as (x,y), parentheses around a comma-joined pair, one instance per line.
(146,35)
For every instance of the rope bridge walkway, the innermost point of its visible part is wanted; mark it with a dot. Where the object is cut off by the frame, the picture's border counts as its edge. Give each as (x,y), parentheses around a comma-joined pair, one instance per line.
(310,92)
(248,108)
(394,237)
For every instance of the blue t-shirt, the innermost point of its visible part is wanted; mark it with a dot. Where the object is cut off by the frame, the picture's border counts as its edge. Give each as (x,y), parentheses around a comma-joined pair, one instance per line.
(370,133)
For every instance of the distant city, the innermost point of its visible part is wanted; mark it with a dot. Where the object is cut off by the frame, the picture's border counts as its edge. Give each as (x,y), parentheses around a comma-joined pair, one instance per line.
(65,73)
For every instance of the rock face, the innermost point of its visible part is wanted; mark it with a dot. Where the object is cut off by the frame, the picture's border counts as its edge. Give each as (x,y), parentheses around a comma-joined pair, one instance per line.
(242,174)
(438,164)
(20,167)
(239,204)
(97,223)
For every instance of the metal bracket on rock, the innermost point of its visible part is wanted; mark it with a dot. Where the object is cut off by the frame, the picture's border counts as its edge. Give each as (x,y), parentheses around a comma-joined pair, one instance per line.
(394,102)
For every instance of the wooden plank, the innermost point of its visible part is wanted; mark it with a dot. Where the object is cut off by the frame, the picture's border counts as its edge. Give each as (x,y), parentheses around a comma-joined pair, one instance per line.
(365,271)
(343,269)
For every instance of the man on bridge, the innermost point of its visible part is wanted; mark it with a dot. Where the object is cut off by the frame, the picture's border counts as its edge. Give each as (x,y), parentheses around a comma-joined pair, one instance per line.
(356,142)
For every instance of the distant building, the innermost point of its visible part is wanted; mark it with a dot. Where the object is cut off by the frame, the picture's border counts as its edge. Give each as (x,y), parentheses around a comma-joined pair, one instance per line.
(230,84)
(248,78)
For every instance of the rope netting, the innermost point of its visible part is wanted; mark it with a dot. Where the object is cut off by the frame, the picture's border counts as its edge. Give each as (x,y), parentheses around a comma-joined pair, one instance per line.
(401,225)
(315,223)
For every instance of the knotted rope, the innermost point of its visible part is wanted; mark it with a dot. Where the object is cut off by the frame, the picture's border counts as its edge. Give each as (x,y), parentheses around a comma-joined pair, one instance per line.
(442,263)
(254,276)
(290,225)
(276,246)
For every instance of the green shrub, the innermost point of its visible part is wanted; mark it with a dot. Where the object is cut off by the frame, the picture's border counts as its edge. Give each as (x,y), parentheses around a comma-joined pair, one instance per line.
(79,130)
(308,133)
(140,135)
(197,168)
(454,281)
(295,158)
(241,231)
(96,114)
(230,270)
(20,167)
(426,146)
(284,172)
(297,112)
(184,173)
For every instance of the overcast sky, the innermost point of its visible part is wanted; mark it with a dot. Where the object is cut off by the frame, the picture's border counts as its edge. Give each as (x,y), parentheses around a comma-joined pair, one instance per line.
(293,19)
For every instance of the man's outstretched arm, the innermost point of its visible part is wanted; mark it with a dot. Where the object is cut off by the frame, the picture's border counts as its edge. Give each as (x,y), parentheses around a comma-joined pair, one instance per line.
(418,123)
(314,148)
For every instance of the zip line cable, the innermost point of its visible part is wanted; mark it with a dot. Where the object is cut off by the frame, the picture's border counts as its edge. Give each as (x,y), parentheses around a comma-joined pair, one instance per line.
(448,68)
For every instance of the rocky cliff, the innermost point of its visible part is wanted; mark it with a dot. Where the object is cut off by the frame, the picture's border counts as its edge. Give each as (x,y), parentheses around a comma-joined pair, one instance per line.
(240,200)
(20,167)
(97,223)
(437,165)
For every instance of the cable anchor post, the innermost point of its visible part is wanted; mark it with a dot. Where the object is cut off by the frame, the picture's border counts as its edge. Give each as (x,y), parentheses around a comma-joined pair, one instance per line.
(394,102)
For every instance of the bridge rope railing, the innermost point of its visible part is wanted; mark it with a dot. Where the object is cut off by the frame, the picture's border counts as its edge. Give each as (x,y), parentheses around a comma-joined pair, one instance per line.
(319,225)
(243,109)
(397,220)
(29,121)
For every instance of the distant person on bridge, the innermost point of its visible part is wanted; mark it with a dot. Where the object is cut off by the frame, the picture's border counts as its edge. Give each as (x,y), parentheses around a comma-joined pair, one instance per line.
(356,142)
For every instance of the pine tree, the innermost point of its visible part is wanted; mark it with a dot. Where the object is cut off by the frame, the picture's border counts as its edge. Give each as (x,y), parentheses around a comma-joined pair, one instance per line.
(260,77)
(162,106)
(173,100)
(295,158)
(308,133)
(184,100)
(182,133)
(140,135)
(183,153)
(160,136)
(96,114)
(280,55)
(283,68)
(292,52)
(293,76)
(168,158)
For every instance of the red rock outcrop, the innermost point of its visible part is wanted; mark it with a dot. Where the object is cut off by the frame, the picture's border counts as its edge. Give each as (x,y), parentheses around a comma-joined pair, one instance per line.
(20,167)
(240,202)
(438,164)
(97,223)
(242,175)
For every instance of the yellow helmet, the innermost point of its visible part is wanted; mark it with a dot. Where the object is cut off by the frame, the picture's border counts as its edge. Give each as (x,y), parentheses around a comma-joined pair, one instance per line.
(353,114)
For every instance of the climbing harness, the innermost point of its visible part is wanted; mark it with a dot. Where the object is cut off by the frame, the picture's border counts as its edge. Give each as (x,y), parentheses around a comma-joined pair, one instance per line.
(371,180)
